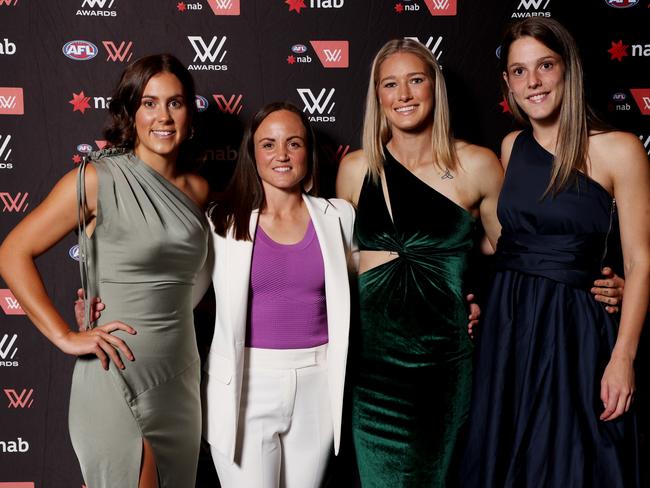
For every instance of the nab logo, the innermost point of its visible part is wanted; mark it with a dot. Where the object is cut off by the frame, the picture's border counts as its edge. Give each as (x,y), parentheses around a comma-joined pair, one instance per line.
(213,52)
(20,400)
(642,99)
(225,153)
(8,350)
(80,50)
(441,7)
(7,47)
(11,101)
(122,53)
(201,103)
(332,54)
(5,152)
(224,7)
(19,445)
(9,303)
(80,102)
(297,5)
(318,107)
(100,8)
(621,3)
(17,203)
(619,103)
(540,8)
(432,44)
(231,106)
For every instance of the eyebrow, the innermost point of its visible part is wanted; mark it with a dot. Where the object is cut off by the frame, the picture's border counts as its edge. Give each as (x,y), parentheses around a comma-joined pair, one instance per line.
(537,61)
(407,75)
(288,138)
(178,95)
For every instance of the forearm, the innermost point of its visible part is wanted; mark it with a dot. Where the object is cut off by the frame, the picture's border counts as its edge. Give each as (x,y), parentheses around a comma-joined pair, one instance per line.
(635,306)
(21,275)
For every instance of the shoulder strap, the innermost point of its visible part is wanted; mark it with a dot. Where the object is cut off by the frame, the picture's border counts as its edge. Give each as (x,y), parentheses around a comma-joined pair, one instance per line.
(83,240)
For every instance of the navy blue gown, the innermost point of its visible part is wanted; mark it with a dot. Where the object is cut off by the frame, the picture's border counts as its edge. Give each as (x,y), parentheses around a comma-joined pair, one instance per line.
(545,342)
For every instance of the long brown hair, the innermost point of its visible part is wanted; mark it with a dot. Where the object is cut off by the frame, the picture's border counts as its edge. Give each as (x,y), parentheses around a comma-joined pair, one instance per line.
(376,129)
(245,192)
(576,117)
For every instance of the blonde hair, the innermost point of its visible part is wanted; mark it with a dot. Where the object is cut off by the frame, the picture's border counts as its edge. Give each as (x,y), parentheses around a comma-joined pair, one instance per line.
(376,129)
(576,117)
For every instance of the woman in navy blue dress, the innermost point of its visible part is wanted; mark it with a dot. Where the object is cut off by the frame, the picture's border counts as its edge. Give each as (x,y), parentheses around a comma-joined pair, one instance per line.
(554,378)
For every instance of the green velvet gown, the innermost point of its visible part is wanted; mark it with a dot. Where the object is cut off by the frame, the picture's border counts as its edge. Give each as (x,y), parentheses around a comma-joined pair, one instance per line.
(411,395)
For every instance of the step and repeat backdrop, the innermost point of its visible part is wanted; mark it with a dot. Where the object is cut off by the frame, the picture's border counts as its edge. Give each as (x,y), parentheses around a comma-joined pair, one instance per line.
(59,62)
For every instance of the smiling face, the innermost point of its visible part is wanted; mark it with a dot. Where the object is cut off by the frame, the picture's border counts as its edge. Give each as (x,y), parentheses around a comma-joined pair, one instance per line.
(405,91)
(162,120)
(535,77)
(281,152)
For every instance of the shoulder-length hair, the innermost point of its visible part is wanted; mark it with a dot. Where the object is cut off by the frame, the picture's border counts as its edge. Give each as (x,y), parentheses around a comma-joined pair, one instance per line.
(120,130)
(576,118)
(245,192)
(376,128)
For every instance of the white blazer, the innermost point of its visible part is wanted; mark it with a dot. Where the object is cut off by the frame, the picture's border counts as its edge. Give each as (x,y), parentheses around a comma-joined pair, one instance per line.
(333,222)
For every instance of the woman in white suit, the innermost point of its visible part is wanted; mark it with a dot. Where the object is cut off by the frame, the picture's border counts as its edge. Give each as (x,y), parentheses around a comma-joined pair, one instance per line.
(283,263)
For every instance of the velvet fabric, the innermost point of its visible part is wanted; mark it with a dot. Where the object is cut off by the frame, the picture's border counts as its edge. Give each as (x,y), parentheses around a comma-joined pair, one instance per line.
(544,341)
(411,395)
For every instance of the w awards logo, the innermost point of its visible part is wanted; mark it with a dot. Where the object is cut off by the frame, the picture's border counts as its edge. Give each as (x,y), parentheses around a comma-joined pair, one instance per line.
(433,44)
(97,8)
(11,101)
(224,7)
(645,140)
(9,303)
(8,350)
(232,105)
(318,106)
(5,152)
(332,54)
(208,56)
(532,8)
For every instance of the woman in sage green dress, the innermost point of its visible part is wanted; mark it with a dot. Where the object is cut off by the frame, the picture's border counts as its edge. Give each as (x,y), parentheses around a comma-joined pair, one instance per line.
(143,238)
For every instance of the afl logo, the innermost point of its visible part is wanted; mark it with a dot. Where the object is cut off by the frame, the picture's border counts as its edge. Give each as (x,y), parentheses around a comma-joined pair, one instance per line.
(619,97)
(201,103)
(299,48)
(498,52)
(84,148)
(74,252)
(80,50)
(621,3)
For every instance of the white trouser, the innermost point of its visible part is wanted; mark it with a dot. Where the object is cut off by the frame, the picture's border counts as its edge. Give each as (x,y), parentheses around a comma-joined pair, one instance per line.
(285,433)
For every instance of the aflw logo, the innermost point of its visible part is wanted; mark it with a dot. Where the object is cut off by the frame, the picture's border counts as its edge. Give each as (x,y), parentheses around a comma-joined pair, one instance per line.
(121,53)
(18,203)
(224,7)
(9,303)
(213,52)
(8,2)
(539,8)
(318,104)
(5,152)
(432,44)
(332,54)
(231,106)
(441,7)
(11,101)
(96,5)
(8,350)
(20,400)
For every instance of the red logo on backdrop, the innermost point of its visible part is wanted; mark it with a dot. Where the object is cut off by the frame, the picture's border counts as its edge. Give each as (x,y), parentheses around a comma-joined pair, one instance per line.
(642,98)
(505,108)
(122,53)
(232,105)
(14,203)
(8,3)
(618,51)
(17,484)
(224,7)
(11,101)
(441,7)
(9,303)
(80,102)
(19,400)
(295,5)
(332,54)
(339,153)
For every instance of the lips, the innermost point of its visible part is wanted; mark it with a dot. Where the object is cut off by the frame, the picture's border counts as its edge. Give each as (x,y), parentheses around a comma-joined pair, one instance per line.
(406,110)
(163,133)
(282,169)
(538,97)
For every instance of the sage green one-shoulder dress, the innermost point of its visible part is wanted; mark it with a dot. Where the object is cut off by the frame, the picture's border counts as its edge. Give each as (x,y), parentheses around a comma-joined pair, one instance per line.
(149,243)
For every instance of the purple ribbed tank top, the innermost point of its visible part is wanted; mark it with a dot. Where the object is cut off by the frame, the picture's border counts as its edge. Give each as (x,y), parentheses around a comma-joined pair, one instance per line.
(286,306)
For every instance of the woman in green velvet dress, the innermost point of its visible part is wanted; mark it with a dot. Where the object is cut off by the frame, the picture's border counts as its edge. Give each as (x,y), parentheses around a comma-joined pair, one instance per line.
(419,194)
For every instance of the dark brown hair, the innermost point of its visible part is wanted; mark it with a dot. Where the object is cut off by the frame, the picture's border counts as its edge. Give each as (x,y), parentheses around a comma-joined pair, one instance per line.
(245,191)
(120,129)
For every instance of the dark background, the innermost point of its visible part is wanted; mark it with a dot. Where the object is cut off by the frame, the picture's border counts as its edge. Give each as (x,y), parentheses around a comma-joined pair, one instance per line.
(38,147)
